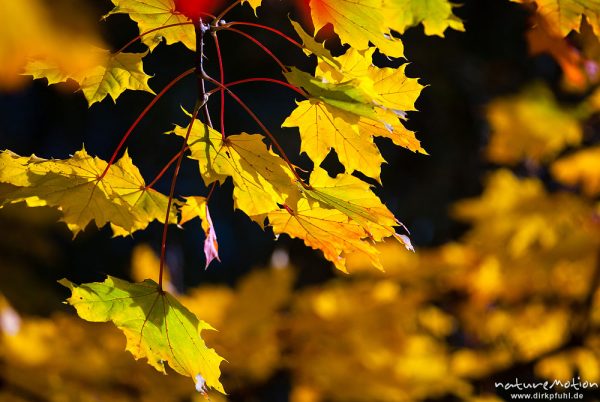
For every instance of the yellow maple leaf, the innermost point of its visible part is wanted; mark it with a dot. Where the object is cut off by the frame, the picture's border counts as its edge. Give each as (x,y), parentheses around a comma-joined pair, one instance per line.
(325,229)
(261,178)
(111,77)
(311,46)
(74,187)
(566,15)
(323,127)
(387,88)
(580,168)
(351,104)
(357,23)
(152,14)
(392,129)
(354,198)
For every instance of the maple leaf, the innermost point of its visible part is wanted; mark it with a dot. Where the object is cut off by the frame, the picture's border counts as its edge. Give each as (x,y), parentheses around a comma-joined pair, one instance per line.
(348,95)
(386,88)
(393,129)
(311,46)
(111,77)
(74,186)
(354,198)
(566,15)
(323,127)
(351,104)
(357,23)
(156,325)
(436,15)
(261,179)
(152,14)
(325,229)
(197,207)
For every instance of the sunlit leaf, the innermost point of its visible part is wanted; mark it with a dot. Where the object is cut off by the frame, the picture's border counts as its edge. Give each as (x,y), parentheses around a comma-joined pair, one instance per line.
(152,14)
(357,23)
(115,74)
(261,179)
(311,46)
(347,96)
(349,106)
(323,127)
(325,229)
(156,325)
(74,187)
(354,198)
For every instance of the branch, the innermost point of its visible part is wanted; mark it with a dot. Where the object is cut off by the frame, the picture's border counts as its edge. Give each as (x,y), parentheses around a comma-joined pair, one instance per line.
(200,29)
(140,117)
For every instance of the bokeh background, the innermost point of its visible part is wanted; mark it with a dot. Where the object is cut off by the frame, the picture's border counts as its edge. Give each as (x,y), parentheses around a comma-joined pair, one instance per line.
(503,214)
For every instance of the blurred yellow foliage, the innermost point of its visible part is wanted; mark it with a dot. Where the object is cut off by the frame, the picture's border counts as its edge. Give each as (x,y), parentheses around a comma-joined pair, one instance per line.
(581,169)
(29,29)
(530,126)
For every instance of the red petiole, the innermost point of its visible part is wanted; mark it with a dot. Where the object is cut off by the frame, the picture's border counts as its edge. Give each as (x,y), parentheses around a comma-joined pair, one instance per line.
(140,117)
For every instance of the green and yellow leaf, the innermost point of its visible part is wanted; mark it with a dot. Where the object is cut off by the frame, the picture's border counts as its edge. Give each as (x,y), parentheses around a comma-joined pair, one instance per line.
(156,325)
(354,198)
(261,178)
(361,22)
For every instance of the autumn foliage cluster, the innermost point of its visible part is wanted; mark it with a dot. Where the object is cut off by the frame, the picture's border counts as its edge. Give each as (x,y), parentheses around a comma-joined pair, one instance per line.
(515,296)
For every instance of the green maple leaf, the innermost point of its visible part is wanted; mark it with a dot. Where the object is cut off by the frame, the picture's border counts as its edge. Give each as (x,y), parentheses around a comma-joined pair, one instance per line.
(156,325)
